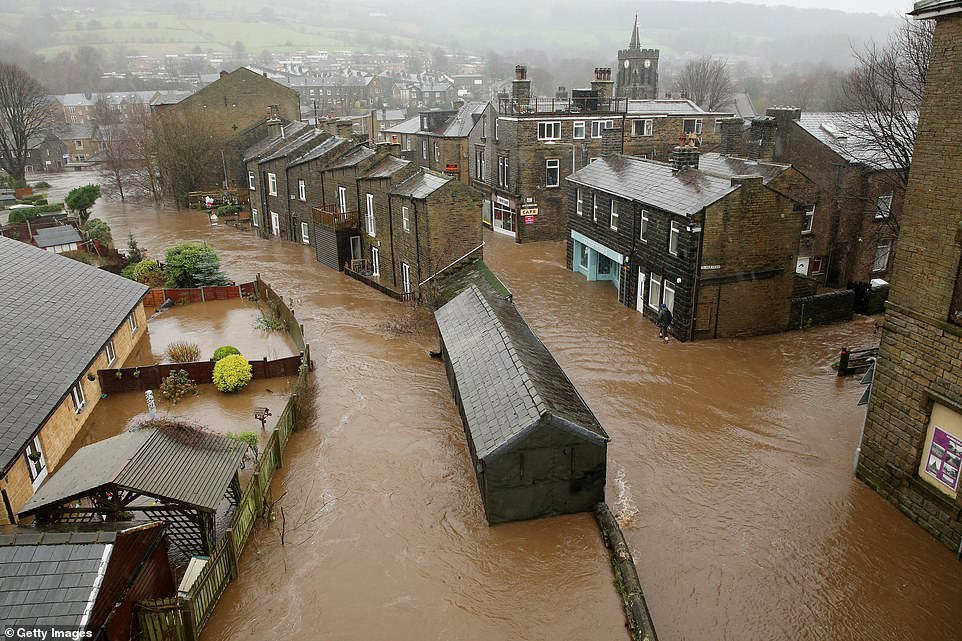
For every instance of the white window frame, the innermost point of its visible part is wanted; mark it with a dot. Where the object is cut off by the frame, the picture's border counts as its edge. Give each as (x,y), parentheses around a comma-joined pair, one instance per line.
(110,352)
(887,245)
(579,126)
(132,323)
(437,152)
(809,220)
(674,233)
(883,207)
(654,287)
(614,215)
(597,126)
(302,190)
(254,218)
(375,262)
(549,130)
(594,207)
(552,164)
(643,227)
(250,181)
(497,127)
(405,218)
(579,206)
(696,125)
(503,171)
(78,397)
(275,223)
(668,295)
(424,150)
(305,233)
(37,470)
(647,127)
(406,278)
(342,199)
(479,162)
(369,221)
(272,184)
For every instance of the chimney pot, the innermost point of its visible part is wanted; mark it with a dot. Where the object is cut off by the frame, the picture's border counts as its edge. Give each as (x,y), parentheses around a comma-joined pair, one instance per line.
(520,72)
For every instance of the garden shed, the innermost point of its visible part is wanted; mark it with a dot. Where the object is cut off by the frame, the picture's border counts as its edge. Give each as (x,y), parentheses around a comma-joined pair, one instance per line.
(177,475)
(537,448)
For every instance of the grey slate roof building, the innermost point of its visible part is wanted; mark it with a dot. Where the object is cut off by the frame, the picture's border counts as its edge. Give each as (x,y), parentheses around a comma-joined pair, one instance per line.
(83,577)
(56,236)
(537,448)
(160,472)
(56,316)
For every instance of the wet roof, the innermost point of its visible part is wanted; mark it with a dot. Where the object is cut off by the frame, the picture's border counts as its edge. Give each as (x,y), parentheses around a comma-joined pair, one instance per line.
(319,149)
(654,184)
(663,106)
(507,379)
(60,235)
(293,145)
(729,166)
(353,157)
(420,185)
(272,143)
(56,316)
(840,132)
(925,7)
(386,168)
(181,465)
(409,126)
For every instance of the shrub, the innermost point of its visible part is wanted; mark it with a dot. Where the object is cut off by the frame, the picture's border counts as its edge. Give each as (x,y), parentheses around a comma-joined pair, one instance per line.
(128,271)
(250,439)
(183,351)
(97,229)
(134,255)
(182,262)
(84,257)
(226,350)
(232,373)
(207,271)
(82,199)
(43,184)
(22,215)
(226,210)
(149,272)
(177,385)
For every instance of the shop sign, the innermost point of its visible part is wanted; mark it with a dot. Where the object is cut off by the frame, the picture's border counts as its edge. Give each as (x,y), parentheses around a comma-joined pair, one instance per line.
(945,453)
(529,210)
(529,220)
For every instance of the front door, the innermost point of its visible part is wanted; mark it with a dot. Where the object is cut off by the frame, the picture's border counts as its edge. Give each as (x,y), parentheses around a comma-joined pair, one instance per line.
(356,249)
(375,262)
(275,224)
(406,277)
(640,301)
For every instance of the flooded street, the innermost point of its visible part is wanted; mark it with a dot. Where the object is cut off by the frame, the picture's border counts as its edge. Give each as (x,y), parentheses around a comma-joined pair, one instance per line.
(730,465)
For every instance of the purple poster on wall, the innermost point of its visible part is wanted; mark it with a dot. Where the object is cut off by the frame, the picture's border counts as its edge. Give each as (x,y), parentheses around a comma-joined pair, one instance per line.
(945,454)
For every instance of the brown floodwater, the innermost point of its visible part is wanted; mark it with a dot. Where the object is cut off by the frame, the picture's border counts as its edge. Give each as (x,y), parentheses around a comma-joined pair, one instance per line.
(730,468)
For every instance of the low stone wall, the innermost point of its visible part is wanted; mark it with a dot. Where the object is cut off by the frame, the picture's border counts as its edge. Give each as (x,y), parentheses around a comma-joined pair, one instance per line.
(822,309)
(876,300)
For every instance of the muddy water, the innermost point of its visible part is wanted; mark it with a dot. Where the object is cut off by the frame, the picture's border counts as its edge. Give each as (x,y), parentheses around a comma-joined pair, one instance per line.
(730,465)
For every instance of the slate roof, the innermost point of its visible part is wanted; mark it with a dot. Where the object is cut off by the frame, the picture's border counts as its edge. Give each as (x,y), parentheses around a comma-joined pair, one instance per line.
(836,131)
(319,149)
(409,126)
(169,97)
(458,125)
(925,8)
(60,235)
(353,157)
(386,168)
(56,315)
(507,379)
(272,143)
(663,106)
(728,166)
(420,185)
(293,144)
(653,183)
(185,466)
(75,132)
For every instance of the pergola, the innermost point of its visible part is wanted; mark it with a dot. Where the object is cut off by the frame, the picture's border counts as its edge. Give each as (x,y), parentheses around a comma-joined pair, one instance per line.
(176,475)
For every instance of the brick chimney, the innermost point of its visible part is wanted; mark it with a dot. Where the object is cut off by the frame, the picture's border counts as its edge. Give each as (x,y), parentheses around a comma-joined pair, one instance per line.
(784,117)
(685,157)
(731,136)
(613,140)
(761,139)
(521,86)
(562,93)
(603,85)
(344,128)
(275,128)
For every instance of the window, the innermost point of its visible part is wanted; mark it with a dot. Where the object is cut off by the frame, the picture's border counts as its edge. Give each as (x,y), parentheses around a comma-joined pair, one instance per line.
(36,462)
(305,235)
(254,218)
(272,184)
(718,126)
(342,199)
(594,207)
(549,131)
(654,291)
(369,221)
(614,214)
(437,152)
(597,126)
(406,277)
(692,126)
(669,299)
(497,126)
(250,180)
(816,266)
(642,127)
(405,219)
(578,131)
(643,232)
(584,256)
(484,127)
(79,144)
(882,251)
(552,172)
(479,163)
(578,205)
(502,171)
(375,262)
(673,238)
(884,206)
(132,323)
(809,219)
(302,190)
(78,398)
(110,352)
(275,224)
(424,150)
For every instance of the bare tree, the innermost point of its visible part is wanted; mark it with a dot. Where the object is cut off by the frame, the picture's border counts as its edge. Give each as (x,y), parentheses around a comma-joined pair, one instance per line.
(114,155)
(27,114)
(188,153)
(707,81)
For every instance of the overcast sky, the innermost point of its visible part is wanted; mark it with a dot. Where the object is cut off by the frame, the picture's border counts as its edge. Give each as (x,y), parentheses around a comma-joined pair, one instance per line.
(862,6)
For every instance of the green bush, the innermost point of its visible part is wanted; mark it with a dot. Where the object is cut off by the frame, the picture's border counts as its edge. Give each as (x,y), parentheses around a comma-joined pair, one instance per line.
(55,208)
(128,271)
(149,272)
(97,229)
(22,215)
(225,350)
(181,263)
(43,184)
(177,385)
(232,373)
(82,199)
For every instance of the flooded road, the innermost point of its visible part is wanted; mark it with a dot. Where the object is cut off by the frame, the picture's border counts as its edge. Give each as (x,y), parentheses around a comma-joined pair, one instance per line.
(730,465)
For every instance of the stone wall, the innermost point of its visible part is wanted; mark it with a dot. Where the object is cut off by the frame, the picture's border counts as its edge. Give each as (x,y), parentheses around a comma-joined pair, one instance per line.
(821,309)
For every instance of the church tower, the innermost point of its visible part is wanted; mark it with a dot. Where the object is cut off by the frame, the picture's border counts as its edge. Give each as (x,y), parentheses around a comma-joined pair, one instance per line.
(637,70)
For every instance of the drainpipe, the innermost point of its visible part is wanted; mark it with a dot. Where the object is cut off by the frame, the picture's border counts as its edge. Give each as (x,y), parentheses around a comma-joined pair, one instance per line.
(390,232)
(635,227)
(417,244)
(696,276)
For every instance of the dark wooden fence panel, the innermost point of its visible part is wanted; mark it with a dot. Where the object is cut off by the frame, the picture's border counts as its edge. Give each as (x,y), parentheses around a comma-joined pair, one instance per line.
(150,376)
(157,297)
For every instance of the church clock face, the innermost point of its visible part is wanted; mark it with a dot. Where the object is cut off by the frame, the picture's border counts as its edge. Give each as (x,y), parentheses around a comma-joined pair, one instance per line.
(626,64)
(647,64)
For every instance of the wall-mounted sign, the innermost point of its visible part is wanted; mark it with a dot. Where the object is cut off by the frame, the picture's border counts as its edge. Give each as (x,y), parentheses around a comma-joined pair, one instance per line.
(501,200)
(529,210)
(529,220)
(711,266)
(944,454)
(452,168)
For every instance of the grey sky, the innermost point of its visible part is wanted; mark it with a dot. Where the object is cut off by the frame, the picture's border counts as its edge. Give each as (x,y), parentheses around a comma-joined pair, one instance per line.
(861,6)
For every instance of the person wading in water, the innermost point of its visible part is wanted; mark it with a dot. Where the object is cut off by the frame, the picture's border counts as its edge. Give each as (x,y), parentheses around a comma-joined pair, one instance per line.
(664,321)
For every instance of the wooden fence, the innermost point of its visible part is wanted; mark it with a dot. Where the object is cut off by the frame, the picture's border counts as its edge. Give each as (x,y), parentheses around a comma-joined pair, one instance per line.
(184,618)
(157,297)
(128,379)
